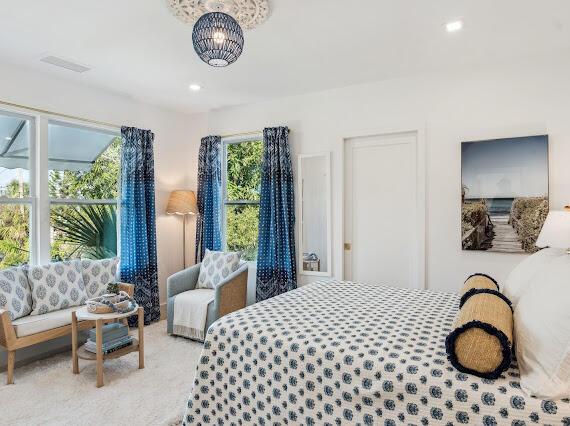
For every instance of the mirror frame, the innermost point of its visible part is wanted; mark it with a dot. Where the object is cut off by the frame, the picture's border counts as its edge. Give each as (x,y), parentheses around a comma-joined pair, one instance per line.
(327,157)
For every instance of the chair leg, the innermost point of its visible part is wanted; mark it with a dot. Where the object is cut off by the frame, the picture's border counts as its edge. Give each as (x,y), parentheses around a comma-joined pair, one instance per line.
(10,367)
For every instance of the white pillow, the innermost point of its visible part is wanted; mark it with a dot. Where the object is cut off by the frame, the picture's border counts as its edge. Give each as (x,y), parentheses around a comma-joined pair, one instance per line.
(522,278)
(56,286)
(542,331)
(98,274)
(216,267)
(15,293)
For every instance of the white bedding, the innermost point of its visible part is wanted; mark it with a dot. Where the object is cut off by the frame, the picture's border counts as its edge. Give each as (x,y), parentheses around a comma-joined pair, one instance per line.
(350,353)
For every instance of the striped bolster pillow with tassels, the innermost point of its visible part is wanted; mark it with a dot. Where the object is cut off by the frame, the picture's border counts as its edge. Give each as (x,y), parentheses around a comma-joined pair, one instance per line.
(482,339)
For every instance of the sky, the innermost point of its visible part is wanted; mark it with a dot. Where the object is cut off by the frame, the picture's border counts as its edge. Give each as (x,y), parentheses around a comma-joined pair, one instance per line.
(9,170)
(8,175)
(505,168)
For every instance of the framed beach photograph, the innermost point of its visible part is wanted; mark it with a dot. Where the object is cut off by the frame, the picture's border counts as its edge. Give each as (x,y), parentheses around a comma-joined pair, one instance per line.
(504,193)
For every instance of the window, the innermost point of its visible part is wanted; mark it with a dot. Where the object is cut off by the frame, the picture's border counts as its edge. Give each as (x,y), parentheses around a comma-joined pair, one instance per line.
(59,187)
(16,191)
(241,181)
(83,189)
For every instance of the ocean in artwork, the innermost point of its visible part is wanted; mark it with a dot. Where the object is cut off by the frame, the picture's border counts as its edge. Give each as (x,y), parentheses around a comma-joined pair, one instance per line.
(499,206)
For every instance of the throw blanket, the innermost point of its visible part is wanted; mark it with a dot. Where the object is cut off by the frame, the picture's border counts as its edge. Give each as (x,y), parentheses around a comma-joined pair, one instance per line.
(190,312)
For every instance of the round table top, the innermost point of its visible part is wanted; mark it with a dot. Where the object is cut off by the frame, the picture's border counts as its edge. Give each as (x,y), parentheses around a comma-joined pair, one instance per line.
(84,315)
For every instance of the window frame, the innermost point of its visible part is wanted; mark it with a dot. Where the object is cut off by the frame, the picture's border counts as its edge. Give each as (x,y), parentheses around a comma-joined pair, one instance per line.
(31,199)
(85,201)
(39,200)
(226,141)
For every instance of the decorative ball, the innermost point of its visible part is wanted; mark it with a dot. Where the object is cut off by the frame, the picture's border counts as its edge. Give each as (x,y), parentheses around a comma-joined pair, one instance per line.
(218,39)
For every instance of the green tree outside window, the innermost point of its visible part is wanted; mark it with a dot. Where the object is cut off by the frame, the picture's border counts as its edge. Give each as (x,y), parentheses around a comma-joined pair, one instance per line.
(243,194)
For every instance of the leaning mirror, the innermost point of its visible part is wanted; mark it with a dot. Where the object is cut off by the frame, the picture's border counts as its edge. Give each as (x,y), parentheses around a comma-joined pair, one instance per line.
(315,214)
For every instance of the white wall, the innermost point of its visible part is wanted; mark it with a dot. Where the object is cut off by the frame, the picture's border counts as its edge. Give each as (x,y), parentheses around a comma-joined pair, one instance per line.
(519,100)
(175,146)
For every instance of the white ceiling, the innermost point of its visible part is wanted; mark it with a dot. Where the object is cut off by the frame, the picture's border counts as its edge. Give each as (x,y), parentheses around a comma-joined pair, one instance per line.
(137,47)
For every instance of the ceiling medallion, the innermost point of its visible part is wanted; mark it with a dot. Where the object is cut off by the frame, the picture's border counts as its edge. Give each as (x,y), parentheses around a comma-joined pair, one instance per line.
(248,13)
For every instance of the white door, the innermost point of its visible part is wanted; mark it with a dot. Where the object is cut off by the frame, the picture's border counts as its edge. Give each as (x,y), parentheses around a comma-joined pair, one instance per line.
(380,209)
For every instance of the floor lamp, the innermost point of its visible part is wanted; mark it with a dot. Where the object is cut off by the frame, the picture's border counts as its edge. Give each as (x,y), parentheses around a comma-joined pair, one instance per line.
(182,202)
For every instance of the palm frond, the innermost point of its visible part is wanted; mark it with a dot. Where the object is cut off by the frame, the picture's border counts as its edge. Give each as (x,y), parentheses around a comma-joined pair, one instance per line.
(92,229)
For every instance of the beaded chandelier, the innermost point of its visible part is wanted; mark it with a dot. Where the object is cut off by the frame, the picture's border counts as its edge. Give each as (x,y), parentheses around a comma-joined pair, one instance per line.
(218,39)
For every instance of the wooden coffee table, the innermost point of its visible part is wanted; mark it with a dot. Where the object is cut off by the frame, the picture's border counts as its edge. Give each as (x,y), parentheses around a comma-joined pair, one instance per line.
(99,319)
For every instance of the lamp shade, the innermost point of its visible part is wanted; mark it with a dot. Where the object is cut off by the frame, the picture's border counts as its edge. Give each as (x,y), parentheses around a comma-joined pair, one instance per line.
(555,231)
(182,202)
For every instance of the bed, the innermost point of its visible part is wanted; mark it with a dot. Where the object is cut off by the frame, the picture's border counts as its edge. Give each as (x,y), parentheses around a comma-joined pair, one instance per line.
(349,353)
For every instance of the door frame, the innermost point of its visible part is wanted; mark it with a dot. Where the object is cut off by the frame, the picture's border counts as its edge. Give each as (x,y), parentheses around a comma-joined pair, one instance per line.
(419,257)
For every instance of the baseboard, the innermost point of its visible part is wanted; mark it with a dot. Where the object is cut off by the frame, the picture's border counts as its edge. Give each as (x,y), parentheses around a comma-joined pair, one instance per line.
(65,347)
(37,357)
(42,350)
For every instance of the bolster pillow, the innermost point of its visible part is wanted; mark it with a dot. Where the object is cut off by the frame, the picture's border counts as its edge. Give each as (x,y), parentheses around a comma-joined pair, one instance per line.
(479,281)
(481,342)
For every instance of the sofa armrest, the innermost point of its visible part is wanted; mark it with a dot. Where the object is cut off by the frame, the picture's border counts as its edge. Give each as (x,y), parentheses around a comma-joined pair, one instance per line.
(7,333)
(182,281)
(127,288)
(231,294)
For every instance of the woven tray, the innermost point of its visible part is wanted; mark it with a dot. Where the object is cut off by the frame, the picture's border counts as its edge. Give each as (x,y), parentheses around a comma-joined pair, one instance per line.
(110,303)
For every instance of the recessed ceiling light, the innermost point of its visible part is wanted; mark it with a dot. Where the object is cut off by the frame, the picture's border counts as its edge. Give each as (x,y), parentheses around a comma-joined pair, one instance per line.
(195,87)
(454,26)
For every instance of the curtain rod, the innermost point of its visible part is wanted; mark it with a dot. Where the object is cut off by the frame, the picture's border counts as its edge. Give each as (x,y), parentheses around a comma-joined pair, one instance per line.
(255,132)
(57,114)
(102,123)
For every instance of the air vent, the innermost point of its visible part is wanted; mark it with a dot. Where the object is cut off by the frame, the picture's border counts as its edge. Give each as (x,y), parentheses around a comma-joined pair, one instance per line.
(62,63)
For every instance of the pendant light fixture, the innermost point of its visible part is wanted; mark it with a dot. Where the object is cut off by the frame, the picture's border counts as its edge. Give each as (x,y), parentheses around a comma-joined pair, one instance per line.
(218,39)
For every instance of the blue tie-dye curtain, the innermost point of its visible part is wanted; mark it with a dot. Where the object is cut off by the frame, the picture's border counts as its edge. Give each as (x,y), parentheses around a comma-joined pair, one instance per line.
(276,264)
(138,222)
(208,227)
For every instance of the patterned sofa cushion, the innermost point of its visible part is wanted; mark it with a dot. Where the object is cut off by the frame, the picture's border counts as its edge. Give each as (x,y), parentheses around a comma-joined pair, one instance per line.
(15,293)
(56,286)
(98,274)
(216,267)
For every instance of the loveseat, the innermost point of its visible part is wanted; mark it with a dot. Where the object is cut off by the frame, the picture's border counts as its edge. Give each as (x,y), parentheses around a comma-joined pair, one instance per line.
(36,302)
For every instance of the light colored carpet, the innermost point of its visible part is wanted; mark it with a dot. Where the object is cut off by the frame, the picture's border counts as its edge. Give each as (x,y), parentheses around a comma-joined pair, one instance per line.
(46,392)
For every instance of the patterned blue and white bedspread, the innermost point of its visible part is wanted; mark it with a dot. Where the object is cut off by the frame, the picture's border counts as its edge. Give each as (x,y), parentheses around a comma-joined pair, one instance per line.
(349,353)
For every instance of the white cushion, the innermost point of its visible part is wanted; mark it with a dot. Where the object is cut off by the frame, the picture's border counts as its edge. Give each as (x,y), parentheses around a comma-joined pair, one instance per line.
(56,286)
(33,324)
(15,293)
(216,267)
(525,274)
(542,331)
(98,274)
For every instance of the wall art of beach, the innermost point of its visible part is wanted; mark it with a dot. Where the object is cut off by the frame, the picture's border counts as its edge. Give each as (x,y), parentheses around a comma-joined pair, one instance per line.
(504,193)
